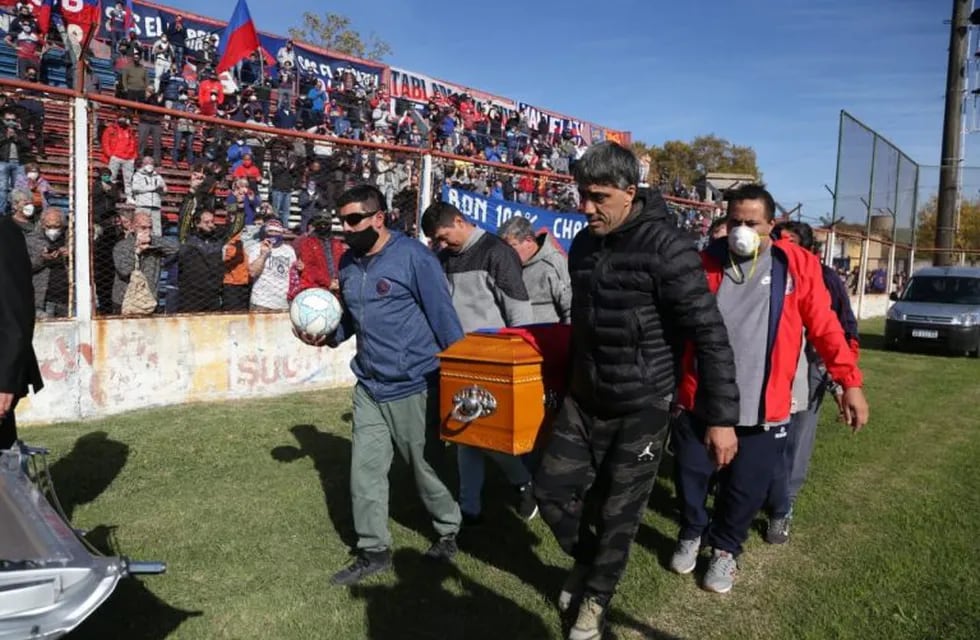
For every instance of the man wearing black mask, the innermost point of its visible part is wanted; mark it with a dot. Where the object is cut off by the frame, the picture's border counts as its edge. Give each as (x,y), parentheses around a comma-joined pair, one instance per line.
(397,301)
(200,270)
(318,255)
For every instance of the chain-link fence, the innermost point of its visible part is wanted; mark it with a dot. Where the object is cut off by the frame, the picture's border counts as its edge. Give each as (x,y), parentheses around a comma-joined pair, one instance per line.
(35,187)
(873,225)
(217,214)
(966,223)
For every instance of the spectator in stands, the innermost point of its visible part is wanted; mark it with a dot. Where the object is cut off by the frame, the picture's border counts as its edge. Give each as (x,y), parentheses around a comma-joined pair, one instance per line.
(184,131)
(254,140)
(237,151)
(178,39)
(22,210)
(151,124)
(163,56)
(312,202)
(284,172)
(130,50)
(148,189)
(49,259)
(107,233)
(248,170)
(193,202)
(30,112)
(25,37)
(32,181)
(286,56)
(115,26)
(318,256)
(286,83)
(269,264)
(235,291)
(139,243)
(545,270)
(318,99)
(173,84)
(133,80)
(243,201)
(415,138)
(210,94)
(14,152)
(200,267)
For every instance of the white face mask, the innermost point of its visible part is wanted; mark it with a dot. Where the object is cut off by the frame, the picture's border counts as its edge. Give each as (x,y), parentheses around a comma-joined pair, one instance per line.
(743,241)
(148,168)
(52,234)
(33,175)
(28,210)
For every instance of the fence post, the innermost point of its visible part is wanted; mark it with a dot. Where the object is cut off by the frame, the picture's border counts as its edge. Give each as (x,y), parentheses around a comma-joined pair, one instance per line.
(425,192)
(866,245)
(82,232)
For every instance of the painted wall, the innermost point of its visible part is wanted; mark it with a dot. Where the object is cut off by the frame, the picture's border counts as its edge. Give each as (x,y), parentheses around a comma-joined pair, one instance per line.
(110,366)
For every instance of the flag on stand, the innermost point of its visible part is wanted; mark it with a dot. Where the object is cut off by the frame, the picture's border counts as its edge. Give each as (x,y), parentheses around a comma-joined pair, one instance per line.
(239,39)
(79,17)
(44,16)
(129,20)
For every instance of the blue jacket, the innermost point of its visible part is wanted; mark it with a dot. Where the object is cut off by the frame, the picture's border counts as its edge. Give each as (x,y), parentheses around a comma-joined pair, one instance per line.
(399,307)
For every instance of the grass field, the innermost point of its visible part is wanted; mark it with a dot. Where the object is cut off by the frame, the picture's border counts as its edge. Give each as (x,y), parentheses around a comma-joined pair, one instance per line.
(247,502)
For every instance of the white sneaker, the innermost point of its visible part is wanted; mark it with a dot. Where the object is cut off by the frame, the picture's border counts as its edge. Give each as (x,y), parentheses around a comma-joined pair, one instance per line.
(685,556)
(720,577)
(591,619)
(572,588)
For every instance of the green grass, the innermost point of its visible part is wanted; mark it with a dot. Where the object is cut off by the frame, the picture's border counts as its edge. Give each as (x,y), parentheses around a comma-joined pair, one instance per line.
(247,502)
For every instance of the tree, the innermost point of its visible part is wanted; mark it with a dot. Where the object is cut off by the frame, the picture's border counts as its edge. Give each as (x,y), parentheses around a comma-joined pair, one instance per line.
(691,160)
(969,232)
(333,31)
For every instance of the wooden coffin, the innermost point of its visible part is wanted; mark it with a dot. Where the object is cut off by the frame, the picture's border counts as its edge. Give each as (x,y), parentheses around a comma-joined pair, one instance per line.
(492,394)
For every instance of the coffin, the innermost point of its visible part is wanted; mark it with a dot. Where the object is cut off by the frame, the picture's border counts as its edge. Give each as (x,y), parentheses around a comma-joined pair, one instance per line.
(492,392)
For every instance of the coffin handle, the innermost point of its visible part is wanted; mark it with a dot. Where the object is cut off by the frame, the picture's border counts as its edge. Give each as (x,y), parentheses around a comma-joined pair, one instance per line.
(471,403)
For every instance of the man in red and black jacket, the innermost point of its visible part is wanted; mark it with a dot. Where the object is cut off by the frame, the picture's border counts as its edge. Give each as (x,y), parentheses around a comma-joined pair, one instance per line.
(768,291)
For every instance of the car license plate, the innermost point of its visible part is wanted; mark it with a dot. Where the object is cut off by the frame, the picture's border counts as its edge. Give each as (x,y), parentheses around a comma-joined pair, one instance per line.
(931,334)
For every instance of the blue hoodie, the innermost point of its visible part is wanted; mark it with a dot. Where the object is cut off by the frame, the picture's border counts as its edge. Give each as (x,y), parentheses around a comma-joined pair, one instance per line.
(398,305)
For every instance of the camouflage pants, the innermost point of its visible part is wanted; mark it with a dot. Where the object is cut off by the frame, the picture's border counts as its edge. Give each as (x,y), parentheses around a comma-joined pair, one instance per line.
(612,465)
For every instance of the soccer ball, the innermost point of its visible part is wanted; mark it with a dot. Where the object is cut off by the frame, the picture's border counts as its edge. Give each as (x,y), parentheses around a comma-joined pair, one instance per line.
(316,312)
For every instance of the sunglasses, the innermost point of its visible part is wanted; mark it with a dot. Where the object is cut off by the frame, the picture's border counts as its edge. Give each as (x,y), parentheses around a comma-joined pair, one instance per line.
(354,219)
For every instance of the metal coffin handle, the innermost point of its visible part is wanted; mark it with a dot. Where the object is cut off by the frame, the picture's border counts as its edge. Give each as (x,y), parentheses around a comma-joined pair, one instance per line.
(471,403)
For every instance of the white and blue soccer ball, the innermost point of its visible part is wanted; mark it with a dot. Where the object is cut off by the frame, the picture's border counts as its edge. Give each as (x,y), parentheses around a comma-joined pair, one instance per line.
(316,312)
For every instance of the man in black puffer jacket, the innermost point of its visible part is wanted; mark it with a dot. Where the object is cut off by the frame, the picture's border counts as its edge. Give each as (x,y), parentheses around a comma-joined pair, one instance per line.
(639,296)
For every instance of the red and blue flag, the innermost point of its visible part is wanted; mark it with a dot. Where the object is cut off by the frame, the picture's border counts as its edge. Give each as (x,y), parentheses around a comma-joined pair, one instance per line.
(239,39)
(128,16)
(44,16)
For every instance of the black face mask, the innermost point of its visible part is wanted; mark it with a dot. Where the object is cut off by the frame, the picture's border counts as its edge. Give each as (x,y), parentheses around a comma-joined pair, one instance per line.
(322,231)
(361,241)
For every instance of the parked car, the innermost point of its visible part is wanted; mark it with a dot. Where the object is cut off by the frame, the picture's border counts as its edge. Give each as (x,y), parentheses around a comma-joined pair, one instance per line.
(939,308)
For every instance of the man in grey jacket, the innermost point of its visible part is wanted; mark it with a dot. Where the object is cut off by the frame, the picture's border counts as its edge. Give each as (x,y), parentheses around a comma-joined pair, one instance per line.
(139,242)
(545,270)
(488,293)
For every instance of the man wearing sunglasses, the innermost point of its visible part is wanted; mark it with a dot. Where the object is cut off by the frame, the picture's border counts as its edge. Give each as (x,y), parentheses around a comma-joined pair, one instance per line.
(397,303)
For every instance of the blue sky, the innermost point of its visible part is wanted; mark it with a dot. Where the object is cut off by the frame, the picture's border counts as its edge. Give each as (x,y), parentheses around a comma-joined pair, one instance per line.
(772,74)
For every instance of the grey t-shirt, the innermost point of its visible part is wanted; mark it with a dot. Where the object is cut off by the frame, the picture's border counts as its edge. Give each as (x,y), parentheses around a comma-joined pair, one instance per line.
(743,300)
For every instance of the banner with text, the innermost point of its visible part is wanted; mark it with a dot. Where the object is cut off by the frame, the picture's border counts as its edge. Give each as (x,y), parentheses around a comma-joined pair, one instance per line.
(420,88)
(490,213)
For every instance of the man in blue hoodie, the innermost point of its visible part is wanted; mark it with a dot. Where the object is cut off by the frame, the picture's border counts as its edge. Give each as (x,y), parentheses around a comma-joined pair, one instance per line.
(397,303)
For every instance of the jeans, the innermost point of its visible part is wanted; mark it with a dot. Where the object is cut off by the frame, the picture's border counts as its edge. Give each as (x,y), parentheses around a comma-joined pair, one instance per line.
(280,204)
(127,166)
(471,473)
(9,172)
(146,131)
(185,138)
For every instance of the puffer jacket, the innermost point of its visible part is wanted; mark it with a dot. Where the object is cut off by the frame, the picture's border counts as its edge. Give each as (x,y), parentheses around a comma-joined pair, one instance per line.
(638,295)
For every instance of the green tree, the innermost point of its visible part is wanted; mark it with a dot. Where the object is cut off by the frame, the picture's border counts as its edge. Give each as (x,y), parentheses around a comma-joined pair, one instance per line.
(969,232)
(704,154)
(333,31)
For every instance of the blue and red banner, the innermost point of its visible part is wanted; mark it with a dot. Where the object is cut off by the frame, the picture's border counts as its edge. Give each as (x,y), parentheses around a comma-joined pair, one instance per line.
(239,39)
(490,213)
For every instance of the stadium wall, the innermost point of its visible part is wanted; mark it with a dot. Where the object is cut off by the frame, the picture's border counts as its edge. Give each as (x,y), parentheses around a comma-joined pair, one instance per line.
(103,367)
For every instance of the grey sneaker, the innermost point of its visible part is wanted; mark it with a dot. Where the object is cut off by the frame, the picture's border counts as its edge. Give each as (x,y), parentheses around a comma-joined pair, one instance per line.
(685,556)
(366,563)
(588,625)
(720,576)
(571,590)
(778,531)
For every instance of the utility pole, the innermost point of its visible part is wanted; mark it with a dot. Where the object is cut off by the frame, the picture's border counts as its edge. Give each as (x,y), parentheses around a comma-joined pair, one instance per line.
(952,127)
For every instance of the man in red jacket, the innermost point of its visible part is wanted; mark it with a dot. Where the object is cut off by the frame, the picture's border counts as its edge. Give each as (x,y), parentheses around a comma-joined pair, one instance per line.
(318,257)
(768,291)
(119,151)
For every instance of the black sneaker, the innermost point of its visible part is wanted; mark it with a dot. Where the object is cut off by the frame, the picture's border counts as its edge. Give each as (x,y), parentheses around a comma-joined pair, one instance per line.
(527,506)
(366,563)
(442,550)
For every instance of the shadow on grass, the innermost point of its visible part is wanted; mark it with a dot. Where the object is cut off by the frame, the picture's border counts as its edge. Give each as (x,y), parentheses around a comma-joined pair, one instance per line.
(331,456)
(438,601)
(88,469)
(132,611)
(644,630)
